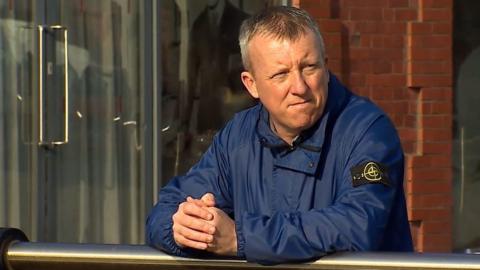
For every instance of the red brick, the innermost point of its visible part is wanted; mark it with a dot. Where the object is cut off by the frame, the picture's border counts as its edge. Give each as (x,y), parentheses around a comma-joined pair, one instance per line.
(415,28)
(357,80)
(393,41)
(400,92)
(429,201)
(361,66)
(410,120)
(441,108)
(392,107)
(430,41)
(436,135)
(429,67)
(381,67)
(432,240)
(332,40)
(360,40)
(366,14)
(429,214)
(360,53)
(437,4)
(317,8)
(422,175)
(409,147)
(367,27)
(437,121)
(344,13)
(396,118)
(436,108)
(362,91)
(424,54)
(441,14)
(394,27)
(335,66)
(435,161)
(398,67)
(376,41)
(388,14)
(444,148)
(429,227)
(405,14)
(442,28)
(398,3)
(330,26)
(422,80)
(407,134)
(413,108)
(364,3)
(436,93)
(387,54)
(382,93)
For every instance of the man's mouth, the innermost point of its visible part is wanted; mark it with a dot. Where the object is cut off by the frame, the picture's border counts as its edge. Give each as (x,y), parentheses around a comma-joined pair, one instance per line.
(300,103)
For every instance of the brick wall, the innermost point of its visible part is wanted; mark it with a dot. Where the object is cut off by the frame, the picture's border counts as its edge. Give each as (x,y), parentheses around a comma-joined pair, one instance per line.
(399,54)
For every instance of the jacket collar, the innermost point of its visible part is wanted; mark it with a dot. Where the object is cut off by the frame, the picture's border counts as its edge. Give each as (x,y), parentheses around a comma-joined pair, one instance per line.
(304,155)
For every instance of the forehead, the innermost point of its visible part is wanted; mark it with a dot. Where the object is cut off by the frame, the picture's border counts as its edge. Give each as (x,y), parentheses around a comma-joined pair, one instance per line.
(268,47)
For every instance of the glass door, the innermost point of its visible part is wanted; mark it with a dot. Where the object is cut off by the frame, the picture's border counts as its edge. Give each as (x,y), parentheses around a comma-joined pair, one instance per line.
(80,86)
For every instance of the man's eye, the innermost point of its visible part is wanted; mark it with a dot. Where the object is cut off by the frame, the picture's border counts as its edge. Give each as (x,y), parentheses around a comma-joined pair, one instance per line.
(279,75)
(310,68)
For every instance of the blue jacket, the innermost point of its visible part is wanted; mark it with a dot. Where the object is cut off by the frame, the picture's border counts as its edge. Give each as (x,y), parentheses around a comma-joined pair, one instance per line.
(339,187)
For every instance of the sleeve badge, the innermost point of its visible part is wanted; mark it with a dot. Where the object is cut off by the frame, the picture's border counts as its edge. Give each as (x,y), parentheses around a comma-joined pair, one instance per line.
(369,173)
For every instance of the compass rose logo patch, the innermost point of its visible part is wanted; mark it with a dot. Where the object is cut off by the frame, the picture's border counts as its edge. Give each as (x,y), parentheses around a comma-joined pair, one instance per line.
(369,173)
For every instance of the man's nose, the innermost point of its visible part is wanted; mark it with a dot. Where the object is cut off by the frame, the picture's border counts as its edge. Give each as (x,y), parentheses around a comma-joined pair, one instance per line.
(299,85)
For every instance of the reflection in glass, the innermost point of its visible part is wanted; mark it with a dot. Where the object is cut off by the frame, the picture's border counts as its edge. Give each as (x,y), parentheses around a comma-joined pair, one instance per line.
(17,154)
(466,133)
(201,71)
(92,189)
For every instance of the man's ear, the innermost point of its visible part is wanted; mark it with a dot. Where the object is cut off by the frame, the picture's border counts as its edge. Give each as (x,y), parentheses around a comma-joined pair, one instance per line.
(249,82)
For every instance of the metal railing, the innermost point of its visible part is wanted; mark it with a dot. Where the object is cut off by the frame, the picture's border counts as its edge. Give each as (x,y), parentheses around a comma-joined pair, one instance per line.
(18,254)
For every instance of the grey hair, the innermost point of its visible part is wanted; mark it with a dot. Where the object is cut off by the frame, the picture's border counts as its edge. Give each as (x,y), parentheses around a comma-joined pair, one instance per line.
(278,22)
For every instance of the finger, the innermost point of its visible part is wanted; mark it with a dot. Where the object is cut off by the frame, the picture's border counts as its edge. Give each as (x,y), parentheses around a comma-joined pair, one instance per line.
(209,199)
(192,209)
(196,202)
(192,234)
(192,222)
(184,242)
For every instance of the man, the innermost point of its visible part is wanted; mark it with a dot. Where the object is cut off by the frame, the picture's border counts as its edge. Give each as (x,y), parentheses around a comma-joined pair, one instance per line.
(311,170)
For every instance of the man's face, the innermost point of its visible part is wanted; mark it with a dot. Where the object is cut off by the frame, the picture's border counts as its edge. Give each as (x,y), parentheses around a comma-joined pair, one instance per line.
(291,80)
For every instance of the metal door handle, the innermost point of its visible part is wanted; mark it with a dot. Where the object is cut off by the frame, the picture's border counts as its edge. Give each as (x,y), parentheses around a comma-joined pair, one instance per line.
(41,30)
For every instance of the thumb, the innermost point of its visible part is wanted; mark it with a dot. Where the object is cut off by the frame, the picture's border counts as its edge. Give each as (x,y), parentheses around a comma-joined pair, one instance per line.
(208,199)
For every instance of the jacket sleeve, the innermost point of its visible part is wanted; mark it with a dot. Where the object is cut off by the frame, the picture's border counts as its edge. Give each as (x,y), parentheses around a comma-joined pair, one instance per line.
(355,221)
(208,175)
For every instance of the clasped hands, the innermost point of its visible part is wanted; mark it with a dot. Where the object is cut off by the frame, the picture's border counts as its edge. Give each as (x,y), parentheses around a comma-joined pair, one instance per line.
(199,224)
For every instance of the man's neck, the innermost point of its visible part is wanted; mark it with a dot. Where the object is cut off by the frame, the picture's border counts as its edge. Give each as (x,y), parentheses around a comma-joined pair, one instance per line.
(285,135)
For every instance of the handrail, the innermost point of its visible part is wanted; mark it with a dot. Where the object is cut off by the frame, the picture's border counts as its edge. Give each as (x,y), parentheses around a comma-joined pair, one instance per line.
(28,255)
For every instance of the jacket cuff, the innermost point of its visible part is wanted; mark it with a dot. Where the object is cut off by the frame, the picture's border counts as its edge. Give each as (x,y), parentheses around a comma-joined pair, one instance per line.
(168,244)
(240,238)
